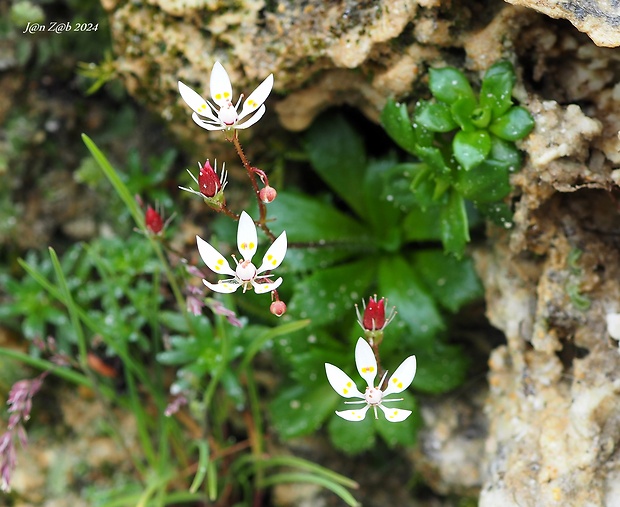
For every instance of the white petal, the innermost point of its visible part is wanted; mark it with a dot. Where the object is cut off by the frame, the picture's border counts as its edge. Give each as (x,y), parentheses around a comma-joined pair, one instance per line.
(194,100)
(613,325)
(208,124)
(251,120)
(257,97)
(395,414)
(354,415)
(224,286)
(221,89)
(402,377)
(246,236)
(275,254)
(261,288)
(341,382)
(365,362)
(213,259)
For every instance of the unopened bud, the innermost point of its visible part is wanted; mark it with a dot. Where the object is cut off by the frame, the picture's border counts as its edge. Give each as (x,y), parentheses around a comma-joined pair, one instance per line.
(153,220)
(374,314)
(278,308)
(208,181)
(267,194)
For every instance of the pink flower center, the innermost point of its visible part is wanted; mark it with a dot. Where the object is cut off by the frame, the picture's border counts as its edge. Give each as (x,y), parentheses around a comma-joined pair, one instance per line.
(373,395)
(246,271)
(228,114)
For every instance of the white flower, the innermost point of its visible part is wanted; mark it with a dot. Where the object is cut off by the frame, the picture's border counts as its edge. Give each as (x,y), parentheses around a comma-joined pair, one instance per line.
(373,396)
(613,325)
(225,115)
(245,275)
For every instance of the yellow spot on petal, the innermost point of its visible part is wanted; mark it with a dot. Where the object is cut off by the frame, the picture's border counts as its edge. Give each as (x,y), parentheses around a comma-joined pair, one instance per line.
(226,95)
(252,245)
(400,385)
(274,262)
(394,380)
(218,96)
(345,391)
(348,384)
(252,103)
(217,268)
(269,257)
(244,246)
(220,261)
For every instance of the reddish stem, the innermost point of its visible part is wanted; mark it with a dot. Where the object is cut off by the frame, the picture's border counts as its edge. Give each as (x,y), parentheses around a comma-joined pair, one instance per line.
(251,172)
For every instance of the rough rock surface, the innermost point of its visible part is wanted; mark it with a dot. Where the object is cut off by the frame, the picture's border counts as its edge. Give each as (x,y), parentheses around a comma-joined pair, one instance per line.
(600,19)
(550,280)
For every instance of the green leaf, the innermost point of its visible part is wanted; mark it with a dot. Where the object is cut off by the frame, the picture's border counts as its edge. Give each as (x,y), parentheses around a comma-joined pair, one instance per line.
(307,220)
(487,182)
(498,212)
(433,157)
(404,433)
(505,153)
(401,285)
(514,125)
(397,184)
(297,410)
(116,181)
(452,282)
(396,122)
(327,295)
(384,216)
(423,186)
(338,155)
(471,148)
(449,84)
(465,113)
(436,117)
(423,224)
(454,227)
(497,87)
(352,437)
(441,368)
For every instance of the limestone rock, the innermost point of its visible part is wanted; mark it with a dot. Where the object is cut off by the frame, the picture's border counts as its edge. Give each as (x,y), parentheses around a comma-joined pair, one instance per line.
(600,19)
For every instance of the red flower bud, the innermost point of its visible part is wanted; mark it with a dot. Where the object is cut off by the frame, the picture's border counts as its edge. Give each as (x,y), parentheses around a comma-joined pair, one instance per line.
(374,314)
(267,194)
(208,181)
(278,308)
(153,220)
